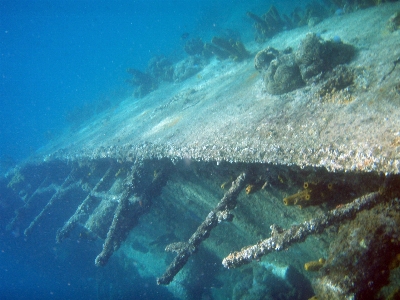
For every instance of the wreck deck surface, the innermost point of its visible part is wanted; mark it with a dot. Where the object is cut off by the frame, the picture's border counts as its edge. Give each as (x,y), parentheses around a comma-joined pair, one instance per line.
(172,155)
(223,114)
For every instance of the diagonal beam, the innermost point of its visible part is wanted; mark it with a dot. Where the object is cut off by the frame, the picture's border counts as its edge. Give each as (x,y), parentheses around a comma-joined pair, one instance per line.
(220,213)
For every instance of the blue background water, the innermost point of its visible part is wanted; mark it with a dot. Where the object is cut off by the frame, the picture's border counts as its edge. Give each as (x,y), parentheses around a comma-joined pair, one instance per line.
(57,55)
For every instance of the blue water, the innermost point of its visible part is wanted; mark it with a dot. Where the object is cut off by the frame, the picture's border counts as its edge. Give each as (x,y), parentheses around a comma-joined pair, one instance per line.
(58,55)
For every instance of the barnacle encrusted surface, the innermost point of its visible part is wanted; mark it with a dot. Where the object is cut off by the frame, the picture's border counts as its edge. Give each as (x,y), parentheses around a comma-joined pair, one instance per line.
(334,81)
(360,257)
(229,117)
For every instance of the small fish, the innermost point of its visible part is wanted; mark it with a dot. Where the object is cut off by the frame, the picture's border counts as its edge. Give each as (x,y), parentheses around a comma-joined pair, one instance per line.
(184,36)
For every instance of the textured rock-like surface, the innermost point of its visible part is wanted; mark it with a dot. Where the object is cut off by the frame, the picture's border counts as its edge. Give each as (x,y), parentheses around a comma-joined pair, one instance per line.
(264,58)
(315,56)
(224,113)
(360,257)
(310,56)
(283,75)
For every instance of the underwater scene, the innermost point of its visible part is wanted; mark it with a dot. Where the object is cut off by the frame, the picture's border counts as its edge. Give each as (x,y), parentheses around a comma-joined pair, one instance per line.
(200,149)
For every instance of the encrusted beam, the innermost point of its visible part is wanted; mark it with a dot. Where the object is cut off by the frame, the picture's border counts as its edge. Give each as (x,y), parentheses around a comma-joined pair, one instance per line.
(135,201)
(80,212)
(68,183)
(282,239)
(23,209)
(220,213)
(126,216)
